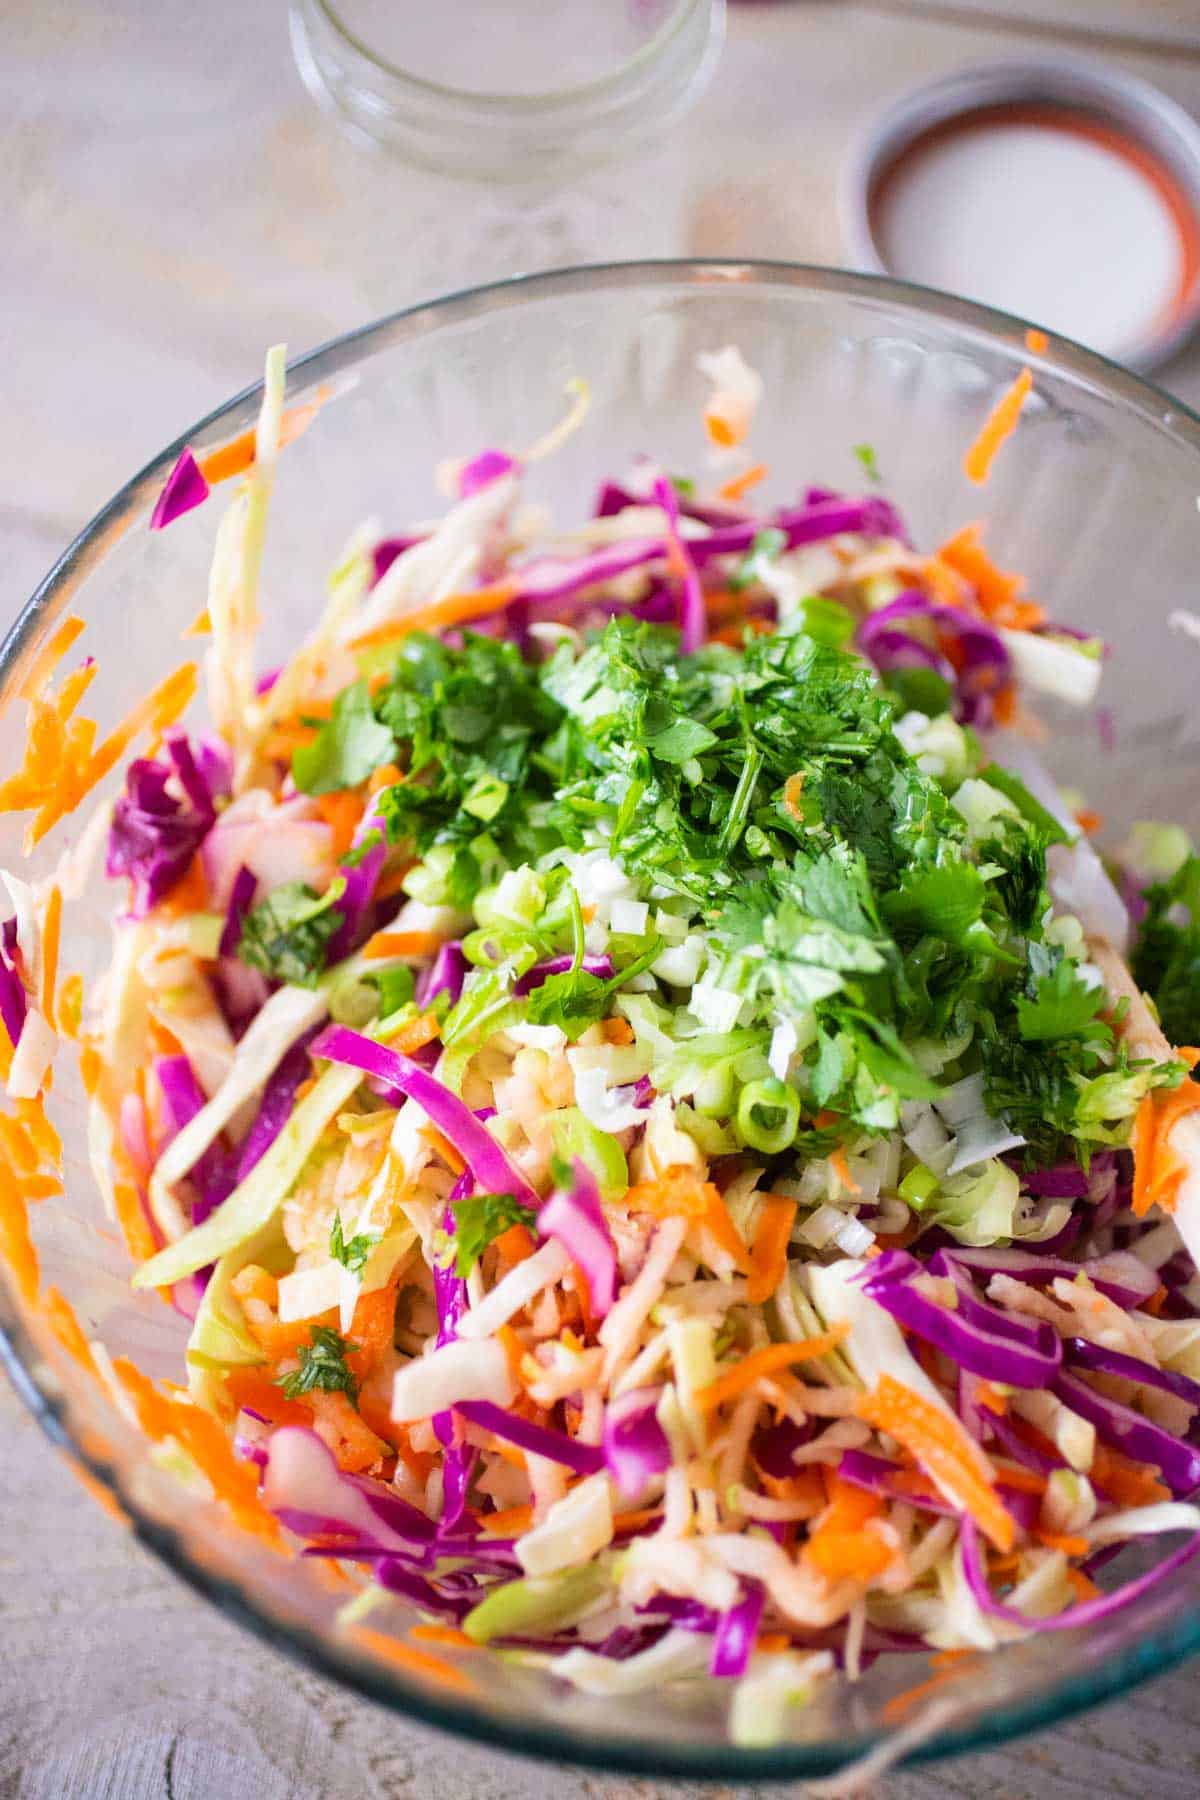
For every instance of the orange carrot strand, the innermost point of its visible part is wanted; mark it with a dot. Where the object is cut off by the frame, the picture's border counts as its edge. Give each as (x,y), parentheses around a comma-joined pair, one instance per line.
(999,426)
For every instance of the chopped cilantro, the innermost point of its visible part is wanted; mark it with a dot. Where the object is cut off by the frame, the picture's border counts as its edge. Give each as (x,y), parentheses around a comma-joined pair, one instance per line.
(322,1365)
(352,1255)
(479,1220)
(287,934)
(1063,1005)
(1166,957)
(867,457)
(349,746)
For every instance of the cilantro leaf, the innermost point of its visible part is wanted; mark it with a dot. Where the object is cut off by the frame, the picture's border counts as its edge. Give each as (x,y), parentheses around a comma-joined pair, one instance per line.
(287,934)
(322,1366)
(1064,1005)
(1166,956)
(478,1220)
(575,998)
(946,900)
(867,457)
(352,1255)
(351,745)
(680,740)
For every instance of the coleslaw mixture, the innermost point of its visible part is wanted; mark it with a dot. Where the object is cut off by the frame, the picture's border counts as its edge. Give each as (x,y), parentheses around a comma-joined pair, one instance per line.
(630,1066)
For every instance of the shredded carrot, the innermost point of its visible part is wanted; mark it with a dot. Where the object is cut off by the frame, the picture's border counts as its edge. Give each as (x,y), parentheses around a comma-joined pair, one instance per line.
(412,1660)
(1158,1168)
(189,895)
(768,1253)
(372,1327)
(40,1132)
(62,766)
(206,1442)
(235,457)
(1067,1542)
(443,1634)
(737,485)
(1089,820)
(992,1401)
(841,1169)
(70,1006)
(354,1445)
(445,1149)
(16,1245)
(767,1361)
(415,1034)
(1000,596)
(513,1246)
(633,1521)
(792,789)
(416,944)
(900,1705)
(160,708)
(680,1193)
(342,813)
(847,1555)
(616,1031)
(1021,1480)
(733,634)
(720,431)
(51,930)
(21,1154)
(1126,1482)
(772,1643)
(74,687)
(228,460)
(60,1316)
(201,625)
(1036,342)
(514,1352)
(804,1487)
(49,657)
(393,881)
(1081,1587)
(942,1449)
(723,604)
(131,1217)
(511,1522)
(439,615)
(1156,1302)
(256,1391)
(999,426)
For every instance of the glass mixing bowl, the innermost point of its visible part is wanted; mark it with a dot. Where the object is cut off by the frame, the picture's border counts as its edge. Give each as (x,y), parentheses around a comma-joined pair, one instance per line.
(1094,499)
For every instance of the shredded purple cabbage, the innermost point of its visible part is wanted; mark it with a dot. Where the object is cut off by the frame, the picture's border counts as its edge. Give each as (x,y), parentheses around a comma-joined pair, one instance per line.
(736,1631)
(575,1217)
(556,1446)
(636,1447)
(478,1149)
(14,1003)
(155,833)
(241,899)
(184,488)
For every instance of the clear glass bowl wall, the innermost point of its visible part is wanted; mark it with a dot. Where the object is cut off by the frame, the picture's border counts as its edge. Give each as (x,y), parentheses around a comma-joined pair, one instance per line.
(1094,500)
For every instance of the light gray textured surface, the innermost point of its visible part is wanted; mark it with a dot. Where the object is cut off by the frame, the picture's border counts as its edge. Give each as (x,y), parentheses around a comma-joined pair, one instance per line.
(171,202)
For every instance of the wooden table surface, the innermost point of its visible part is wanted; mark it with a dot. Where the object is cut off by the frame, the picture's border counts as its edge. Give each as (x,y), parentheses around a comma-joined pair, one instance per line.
(171,202)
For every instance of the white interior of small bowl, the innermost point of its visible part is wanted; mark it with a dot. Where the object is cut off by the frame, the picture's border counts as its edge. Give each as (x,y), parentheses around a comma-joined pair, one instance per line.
(1094,500)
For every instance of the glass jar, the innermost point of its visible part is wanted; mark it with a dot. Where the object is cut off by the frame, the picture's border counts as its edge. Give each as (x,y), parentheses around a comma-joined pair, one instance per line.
(486,138)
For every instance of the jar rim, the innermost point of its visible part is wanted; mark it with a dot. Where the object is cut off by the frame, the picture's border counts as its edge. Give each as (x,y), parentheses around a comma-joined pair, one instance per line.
(599,87)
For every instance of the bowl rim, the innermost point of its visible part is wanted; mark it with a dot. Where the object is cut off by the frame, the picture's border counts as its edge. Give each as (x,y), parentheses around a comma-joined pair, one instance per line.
(541,1739)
